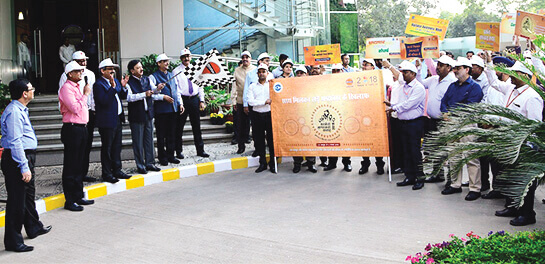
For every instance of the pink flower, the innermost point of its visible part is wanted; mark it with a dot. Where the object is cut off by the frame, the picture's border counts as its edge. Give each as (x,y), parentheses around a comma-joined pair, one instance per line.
(430,260)
(409,257)
(463,239)
(451,235)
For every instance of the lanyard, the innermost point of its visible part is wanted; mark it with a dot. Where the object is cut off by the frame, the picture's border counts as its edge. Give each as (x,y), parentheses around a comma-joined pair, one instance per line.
(509,101)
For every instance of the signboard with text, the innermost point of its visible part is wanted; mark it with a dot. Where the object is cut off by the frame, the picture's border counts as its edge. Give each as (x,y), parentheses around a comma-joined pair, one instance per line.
(323,54)
(487,36)
(420,48)
(383,48)
(508,21)
(427,26)
(529,24)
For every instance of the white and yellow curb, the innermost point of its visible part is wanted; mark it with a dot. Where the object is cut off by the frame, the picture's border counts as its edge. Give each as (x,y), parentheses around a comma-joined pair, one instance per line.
(136,181)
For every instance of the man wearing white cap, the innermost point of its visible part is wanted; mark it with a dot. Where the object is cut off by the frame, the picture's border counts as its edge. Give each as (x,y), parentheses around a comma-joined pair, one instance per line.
(410,111)
(87,78)
(75,116)
(477,73)
(260,100)
(242,122)
(166,110)
(301,71)
(464,91)
(193,102)
(523,99)
(108,93)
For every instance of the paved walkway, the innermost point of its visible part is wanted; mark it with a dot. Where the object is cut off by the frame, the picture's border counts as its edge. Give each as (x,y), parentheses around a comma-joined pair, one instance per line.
(243,217)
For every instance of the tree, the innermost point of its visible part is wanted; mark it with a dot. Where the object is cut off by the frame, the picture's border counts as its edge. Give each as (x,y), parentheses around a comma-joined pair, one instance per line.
(462,25)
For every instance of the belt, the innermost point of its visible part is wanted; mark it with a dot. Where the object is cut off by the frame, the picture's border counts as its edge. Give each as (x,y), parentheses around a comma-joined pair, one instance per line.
(27,151)
(75,124)
(412,120)
(189,97)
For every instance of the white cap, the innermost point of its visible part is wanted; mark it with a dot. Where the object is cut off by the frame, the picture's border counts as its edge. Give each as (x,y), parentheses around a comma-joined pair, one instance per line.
(368,61)
(263,56)
(185,51)
(162,57)
(447,60)
(337,66)
(463,61)
(79,55)
(286,62)
(527,54)
(407,66)
(476,60)
(107,63)
(263,66)
(518,66)
(247,53)
(301,68)
(73,66)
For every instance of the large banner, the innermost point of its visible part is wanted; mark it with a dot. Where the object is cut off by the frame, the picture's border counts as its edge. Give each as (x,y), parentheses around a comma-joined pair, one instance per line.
(420,48)
(323,54)
(487,36)
(426,26)
(334,115)
(529,24)
(508,22)
(383,48)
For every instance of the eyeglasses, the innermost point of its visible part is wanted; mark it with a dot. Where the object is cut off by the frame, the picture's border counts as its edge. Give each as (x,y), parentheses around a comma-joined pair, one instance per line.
(31,89)
(109,68)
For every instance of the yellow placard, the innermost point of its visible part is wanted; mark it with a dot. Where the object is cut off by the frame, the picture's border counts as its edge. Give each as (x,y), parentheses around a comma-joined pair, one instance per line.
(335,115)
(323,54)
(383,48)
(508,22)
(420,48)
(426,26)
(487,36)
(529,24)
(541,12)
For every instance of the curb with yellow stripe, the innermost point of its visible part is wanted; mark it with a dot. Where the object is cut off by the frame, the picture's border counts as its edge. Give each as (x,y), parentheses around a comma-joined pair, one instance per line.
(103,189)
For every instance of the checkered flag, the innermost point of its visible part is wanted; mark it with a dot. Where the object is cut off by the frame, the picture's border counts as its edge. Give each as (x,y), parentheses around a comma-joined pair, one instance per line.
(209,70)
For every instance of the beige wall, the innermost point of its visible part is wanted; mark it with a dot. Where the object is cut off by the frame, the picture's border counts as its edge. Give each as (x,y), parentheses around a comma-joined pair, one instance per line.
(145,28)
(6,42)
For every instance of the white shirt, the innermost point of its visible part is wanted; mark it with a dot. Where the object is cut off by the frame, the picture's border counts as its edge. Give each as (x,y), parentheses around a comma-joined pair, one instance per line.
(91,80)
(65,53)
(436,91)
(119,106)
(140,96)
(258,94)
(183,83)
(483,82)
(24,54)
(411,101)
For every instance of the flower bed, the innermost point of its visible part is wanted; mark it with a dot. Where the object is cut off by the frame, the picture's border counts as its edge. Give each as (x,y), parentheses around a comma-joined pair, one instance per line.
(499,247)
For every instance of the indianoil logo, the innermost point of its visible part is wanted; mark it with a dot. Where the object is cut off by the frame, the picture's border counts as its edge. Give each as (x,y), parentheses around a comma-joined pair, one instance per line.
(349,82)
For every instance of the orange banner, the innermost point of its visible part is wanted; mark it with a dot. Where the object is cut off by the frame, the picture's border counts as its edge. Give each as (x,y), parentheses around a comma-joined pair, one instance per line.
(335,115)
(529,24)
(508,22)
(323,54)
(420,48)
(487,36)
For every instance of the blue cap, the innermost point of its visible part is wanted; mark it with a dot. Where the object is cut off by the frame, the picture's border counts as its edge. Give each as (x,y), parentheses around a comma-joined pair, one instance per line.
(503,60)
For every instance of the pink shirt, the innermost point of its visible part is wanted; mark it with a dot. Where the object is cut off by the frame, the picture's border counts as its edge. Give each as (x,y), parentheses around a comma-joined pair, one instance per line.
(74,107)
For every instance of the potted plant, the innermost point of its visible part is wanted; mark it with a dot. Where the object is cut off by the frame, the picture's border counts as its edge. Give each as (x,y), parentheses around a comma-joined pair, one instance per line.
(216,119)
(229,128)
(229,115)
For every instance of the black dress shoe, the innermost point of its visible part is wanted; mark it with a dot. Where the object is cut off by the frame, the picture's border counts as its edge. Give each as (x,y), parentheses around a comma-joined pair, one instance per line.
(507,212)
(493,195)
(418,185)
(255,154)
(363,170)
(84,201)
(44,230)
(261,168)
(241,150)
(397,171)
(110,179)
(432,179)
(347,167)
(203,154)
(180,156)
(163,163)
(330,167)
(20,248)
(142,171)
(523,221)
(153,168)
(472,196)
(323,164)
(234,141)
(74,207)
(122,175)
(450,190)
(485,188)
(448,183)
(312,168)
(465,184)
(380,170)
(296,168)
(174,161)
(405,182)
(89,179)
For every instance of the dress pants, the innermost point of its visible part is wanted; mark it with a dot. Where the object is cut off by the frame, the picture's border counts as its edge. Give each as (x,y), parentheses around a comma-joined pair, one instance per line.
(527,209)
(411,136)
(333,160)
(262,130)
(191,105)
(89,145)
(487,165)
(165,128)
(20,208)
(74,138)
(242,125)
(110,153)
(142,143)
(310,160)
(396,153)
(473,169)
(379,161)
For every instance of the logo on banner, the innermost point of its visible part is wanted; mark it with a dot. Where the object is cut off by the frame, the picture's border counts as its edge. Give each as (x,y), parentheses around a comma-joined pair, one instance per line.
(278,87)
(326,122)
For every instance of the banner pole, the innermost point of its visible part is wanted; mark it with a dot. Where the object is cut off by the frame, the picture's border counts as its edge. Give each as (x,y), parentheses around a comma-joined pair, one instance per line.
(389,171)
(275,165)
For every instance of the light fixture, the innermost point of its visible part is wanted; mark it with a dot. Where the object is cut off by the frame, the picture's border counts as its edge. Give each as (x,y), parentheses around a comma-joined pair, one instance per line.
(21,17)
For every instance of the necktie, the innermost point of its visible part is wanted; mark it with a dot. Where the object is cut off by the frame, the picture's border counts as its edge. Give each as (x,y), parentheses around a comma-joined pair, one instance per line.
(190,87)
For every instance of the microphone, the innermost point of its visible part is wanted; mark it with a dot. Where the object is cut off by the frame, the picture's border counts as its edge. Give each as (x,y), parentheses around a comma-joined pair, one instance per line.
(86,80)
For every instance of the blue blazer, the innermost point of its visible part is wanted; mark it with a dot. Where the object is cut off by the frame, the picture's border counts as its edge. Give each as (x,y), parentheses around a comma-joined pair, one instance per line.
(106,104)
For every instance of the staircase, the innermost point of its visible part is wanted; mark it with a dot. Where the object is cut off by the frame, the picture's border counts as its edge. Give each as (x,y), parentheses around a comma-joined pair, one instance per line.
(47,122)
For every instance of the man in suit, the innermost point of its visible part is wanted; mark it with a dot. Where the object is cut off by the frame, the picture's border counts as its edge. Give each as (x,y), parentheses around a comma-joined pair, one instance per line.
(108,93)
(140,98)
